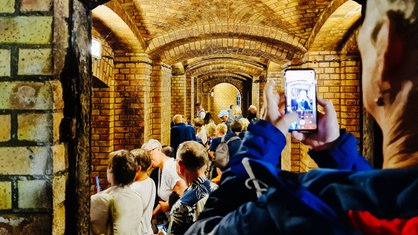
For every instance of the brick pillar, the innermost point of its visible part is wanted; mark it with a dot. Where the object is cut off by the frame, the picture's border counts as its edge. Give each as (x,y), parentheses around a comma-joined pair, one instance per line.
(166,115)
(190,99)
(160,96)
(119,107)
(351,95)
(205,101)
(178,94)
(131,96)
(199,92)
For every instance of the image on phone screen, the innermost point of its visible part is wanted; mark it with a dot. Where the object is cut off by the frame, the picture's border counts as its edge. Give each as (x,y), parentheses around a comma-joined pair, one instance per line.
(300,92)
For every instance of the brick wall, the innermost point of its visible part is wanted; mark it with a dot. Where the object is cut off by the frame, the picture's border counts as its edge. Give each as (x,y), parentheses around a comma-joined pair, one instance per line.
(31,110)
(129,100)
(103,114)
(121,104)
(166,115)
(178,94)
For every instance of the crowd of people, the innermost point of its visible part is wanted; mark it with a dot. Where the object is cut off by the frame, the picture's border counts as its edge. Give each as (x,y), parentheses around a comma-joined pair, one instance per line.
(345,195)
(167,185)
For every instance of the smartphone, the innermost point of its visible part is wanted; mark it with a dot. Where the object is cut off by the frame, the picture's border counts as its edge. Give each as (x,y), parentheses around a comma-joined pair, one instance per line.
(300,94)
(98,184)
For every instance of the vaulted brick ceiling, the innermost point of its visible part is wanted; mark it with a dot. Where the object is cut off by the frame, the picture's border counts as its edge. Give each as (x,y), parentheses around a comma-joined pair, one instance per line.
(238,38)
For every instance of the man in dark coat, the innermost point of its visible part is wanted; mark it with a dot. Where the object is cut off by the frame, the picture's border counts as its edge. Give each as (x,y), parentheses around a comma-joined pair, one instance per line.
(180,132)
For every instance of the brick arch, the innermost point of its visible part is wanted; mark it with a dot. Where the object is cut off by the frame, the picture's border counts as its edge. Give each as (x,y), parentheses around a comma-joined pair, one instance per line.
(209,84)
(203,67)
(228,73)
(243,87)
(350,47)
(244,31)
(278,52)
(337,20)
(116,28)
(234,75)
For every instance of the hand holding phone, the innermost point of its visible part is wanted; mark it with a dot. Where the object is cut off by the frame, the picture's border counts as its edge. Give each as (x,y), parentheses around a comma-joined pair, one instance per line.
(300,92)
(328,128)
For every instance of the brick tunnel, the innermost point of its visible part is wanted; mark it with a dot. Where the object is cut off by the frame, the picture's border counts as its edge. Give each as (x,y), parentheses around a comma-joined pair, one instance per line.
(63,108)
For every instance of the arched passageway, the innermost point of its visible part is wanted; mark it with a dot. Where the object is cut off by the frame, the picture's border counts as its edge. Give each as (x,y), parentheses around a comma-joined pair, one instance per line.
(158,58)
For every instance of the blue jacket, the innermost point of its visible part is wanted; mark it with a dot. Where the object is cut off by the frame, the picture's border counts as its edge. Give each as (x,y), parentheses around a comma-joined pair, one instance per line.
(179,133)
(257,198)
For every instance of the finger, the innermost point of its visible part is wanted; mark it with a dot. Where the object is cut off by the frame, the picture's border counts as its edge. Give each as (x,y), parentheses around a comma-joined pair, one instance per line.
(264,109)
(268,90)
(270,95)
(327,105)
(298,135)
(286,120)
(282,100)
(323,102)
(290,117)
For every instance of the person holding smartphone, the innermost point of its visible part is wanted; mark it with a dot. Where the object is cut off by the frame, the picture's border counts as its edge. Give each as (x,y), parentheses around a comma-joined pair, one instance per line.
(354,198)
(262,145)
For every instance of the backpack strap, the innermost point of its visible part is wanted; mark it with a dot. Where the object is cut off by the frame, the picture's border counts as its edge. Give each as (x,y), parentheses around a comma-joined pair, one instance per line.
(300,193)
(257,183)
(230,139)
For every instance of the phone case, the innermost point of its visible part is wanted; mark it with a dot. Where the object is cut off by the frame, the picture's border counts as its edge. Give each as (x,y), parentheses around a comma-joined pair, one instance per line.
(300,92)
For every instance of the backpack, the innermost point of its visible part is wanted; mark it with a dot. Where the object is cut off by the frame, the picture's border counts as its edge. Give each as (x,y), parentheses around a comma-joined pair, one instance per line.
(222,152)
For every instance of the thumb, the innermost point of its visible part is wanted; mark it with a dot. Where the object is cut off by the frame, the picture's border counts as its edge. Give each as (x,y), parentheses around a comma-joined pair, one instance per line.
(285,122)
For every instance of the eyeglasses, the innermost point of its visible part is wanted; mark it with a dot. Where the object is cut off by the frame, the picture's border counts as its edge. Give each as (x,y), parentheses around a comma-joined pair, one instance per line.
(150,150)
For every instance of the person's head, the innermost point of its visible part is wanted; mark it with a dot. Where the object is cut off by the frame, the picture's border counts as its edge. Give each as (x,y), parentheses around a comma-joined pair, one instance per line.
(252,109)
(154,149)
(178,118)
(302,95)
(198,123)
(198,106)
(237,111)
(192,159)
(142,159)
(236,126)
(121,168)
(168,151)
(244,123)
(211,129)
(388,45)
(221,129)
(224,115)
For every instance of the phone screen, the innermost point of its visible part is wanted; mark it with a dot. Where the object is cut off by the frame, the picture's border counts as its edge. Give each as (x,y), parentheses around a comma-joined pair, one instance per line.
(300,92)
